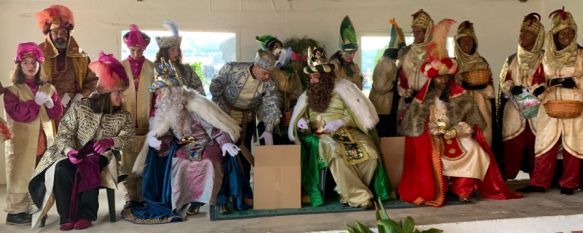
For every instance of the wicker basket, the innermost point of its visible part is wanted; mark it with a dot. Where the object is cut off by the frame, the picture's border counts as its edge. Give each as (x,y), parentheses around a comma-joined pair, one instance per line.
(477,77)
(563,109)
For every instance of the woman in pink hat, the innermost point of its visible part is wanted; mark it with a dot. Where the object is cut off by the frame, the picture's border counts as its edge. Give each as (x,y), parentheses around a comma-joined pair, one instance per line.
(31,106)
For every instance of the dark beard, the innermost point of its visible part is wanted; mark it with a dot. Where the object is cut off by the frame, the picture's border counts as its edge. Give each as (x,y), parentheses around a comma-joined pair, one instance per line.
(320,94)
(60,44)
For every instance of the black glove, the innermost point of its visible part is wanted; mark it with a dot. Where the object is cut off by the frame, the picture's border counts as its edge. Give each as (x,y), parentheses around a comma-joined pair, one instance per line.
(538,91)
(516,90)
(568,83)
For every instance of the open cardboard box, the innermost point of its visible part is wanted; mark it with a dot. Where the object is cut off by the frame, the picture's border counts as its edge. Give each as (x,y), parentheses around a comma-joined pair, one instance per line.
(393,151)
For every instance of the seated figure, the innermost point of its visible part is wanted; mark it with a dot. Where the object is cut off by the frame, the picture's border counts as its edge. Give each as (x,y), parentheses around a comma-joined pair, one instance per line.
(181,163)
(334,121)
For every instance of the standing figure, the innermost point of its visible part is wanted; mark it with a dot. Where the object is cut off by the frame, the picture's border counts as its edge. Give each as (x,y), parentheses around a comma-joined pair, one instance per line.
(443,138)
(288,84)
(410,78)
(469,63)
(563,68)
(343,60)
(522,81)
(66,65)
(244,91)
(182,163)
(31,105)
(138,101)
(92,130)
(170,52)
(382,94)
(334,122)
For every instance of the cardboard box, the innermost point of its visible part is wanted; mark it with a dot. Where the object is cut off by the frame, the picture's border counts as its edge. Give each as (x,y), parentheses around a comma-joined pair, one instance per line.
(393,151)
(277,177)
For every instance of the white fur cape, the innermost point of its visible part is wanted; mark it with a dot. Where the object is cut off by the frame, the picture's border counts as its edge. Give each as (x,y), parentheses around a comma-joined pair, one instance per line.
(199,105)
(361,108)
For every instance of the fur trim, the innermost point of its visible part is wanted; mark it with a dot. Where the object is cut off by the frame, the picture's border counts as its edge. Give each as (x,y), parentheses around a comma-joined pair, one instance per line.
(365,113)
(212,114)
(459,109)
(196,104)
(300,107)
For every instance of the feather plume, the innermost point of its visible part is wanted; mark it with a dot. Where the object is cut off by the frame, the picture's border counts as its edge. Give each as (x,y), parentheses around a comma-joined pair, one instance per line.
(46,16)
(172,26)
(437,49)
(561,12)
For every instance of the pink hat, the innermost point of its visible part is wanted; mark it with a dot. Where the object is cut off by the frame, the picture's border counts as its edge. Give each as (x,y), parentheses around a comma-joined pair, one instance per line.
(112,75)
(136,38)
(29,49)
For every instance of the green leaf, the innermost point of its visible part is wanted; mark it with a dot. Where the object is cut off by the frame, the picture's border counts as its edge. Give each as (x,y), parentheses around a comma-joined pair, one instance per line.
(432,230)
(381,211)
(351,229)
(389,226)
(362,228)
(408,225)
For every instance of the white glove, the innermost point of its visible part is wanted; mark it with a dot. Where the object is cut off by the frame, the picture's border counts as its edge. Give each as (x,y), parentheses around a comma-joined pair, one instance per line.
(268,137)
(333,126)
(49,103)
(230,148)
(40,98)
(66,99)
(154,142)
(77,97)
(303,123)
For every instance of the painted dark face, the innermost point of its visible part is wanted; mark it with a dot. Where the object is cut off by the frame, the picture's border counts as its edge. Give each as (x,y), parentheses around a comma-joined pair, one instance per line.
(527,39)
(418,34)
(440,82)
(564,38)
(467,44)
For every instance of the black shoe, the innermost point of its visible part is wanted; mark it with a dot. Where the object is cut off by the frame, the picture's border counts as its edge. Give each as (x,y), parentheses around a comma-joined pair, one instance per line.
(567,191)
(531,189)
(19,219)
(194,208)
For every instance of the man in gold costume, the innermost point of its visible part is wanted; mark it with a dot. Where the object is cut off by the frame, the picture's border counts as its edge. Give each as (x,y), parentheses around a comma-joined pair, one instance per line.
(66,65)
(327,114)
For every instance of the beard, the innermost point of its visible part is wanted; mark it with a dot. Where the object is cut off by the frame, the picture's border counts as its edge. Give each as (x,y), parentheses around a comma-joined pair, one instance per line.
(60,43)
(170,109)
(320,94)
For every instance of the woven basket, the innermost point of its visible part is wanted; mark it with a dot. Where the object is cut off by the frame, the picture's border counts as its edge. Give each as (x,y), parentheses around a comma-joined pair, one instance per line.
(563,109)
(477,77)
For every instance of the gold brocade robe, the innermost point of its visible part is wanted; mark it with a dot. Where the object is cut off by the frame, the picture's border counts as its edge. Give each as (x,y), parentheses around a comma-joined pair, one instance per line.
(76,76)
(349,143)
(513,74)
(342,73)
(139,105)
(79,126)
(550,130)
(21,150)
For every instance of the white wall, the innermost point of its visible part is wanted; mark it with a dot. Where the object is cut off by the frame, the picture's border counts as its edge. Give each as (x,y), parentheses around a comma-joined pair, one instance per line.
(98,23)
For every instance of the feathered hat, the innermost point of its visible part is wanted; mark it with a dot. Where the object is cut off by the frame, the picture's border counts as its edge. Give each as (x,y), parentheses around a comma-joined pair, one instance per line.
(136,38)
(29,49)
(438,63)
(267,41)
(318,61)
(348,41)
(169,41)
(111,74)
(55,17)
(166,76)
(265,60)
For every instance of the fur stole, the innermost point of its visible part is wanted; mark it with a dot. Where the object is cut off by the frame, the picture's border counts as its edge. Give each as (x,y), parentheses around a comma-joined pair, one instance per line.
(459,108)
(362,109)
(195,104)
